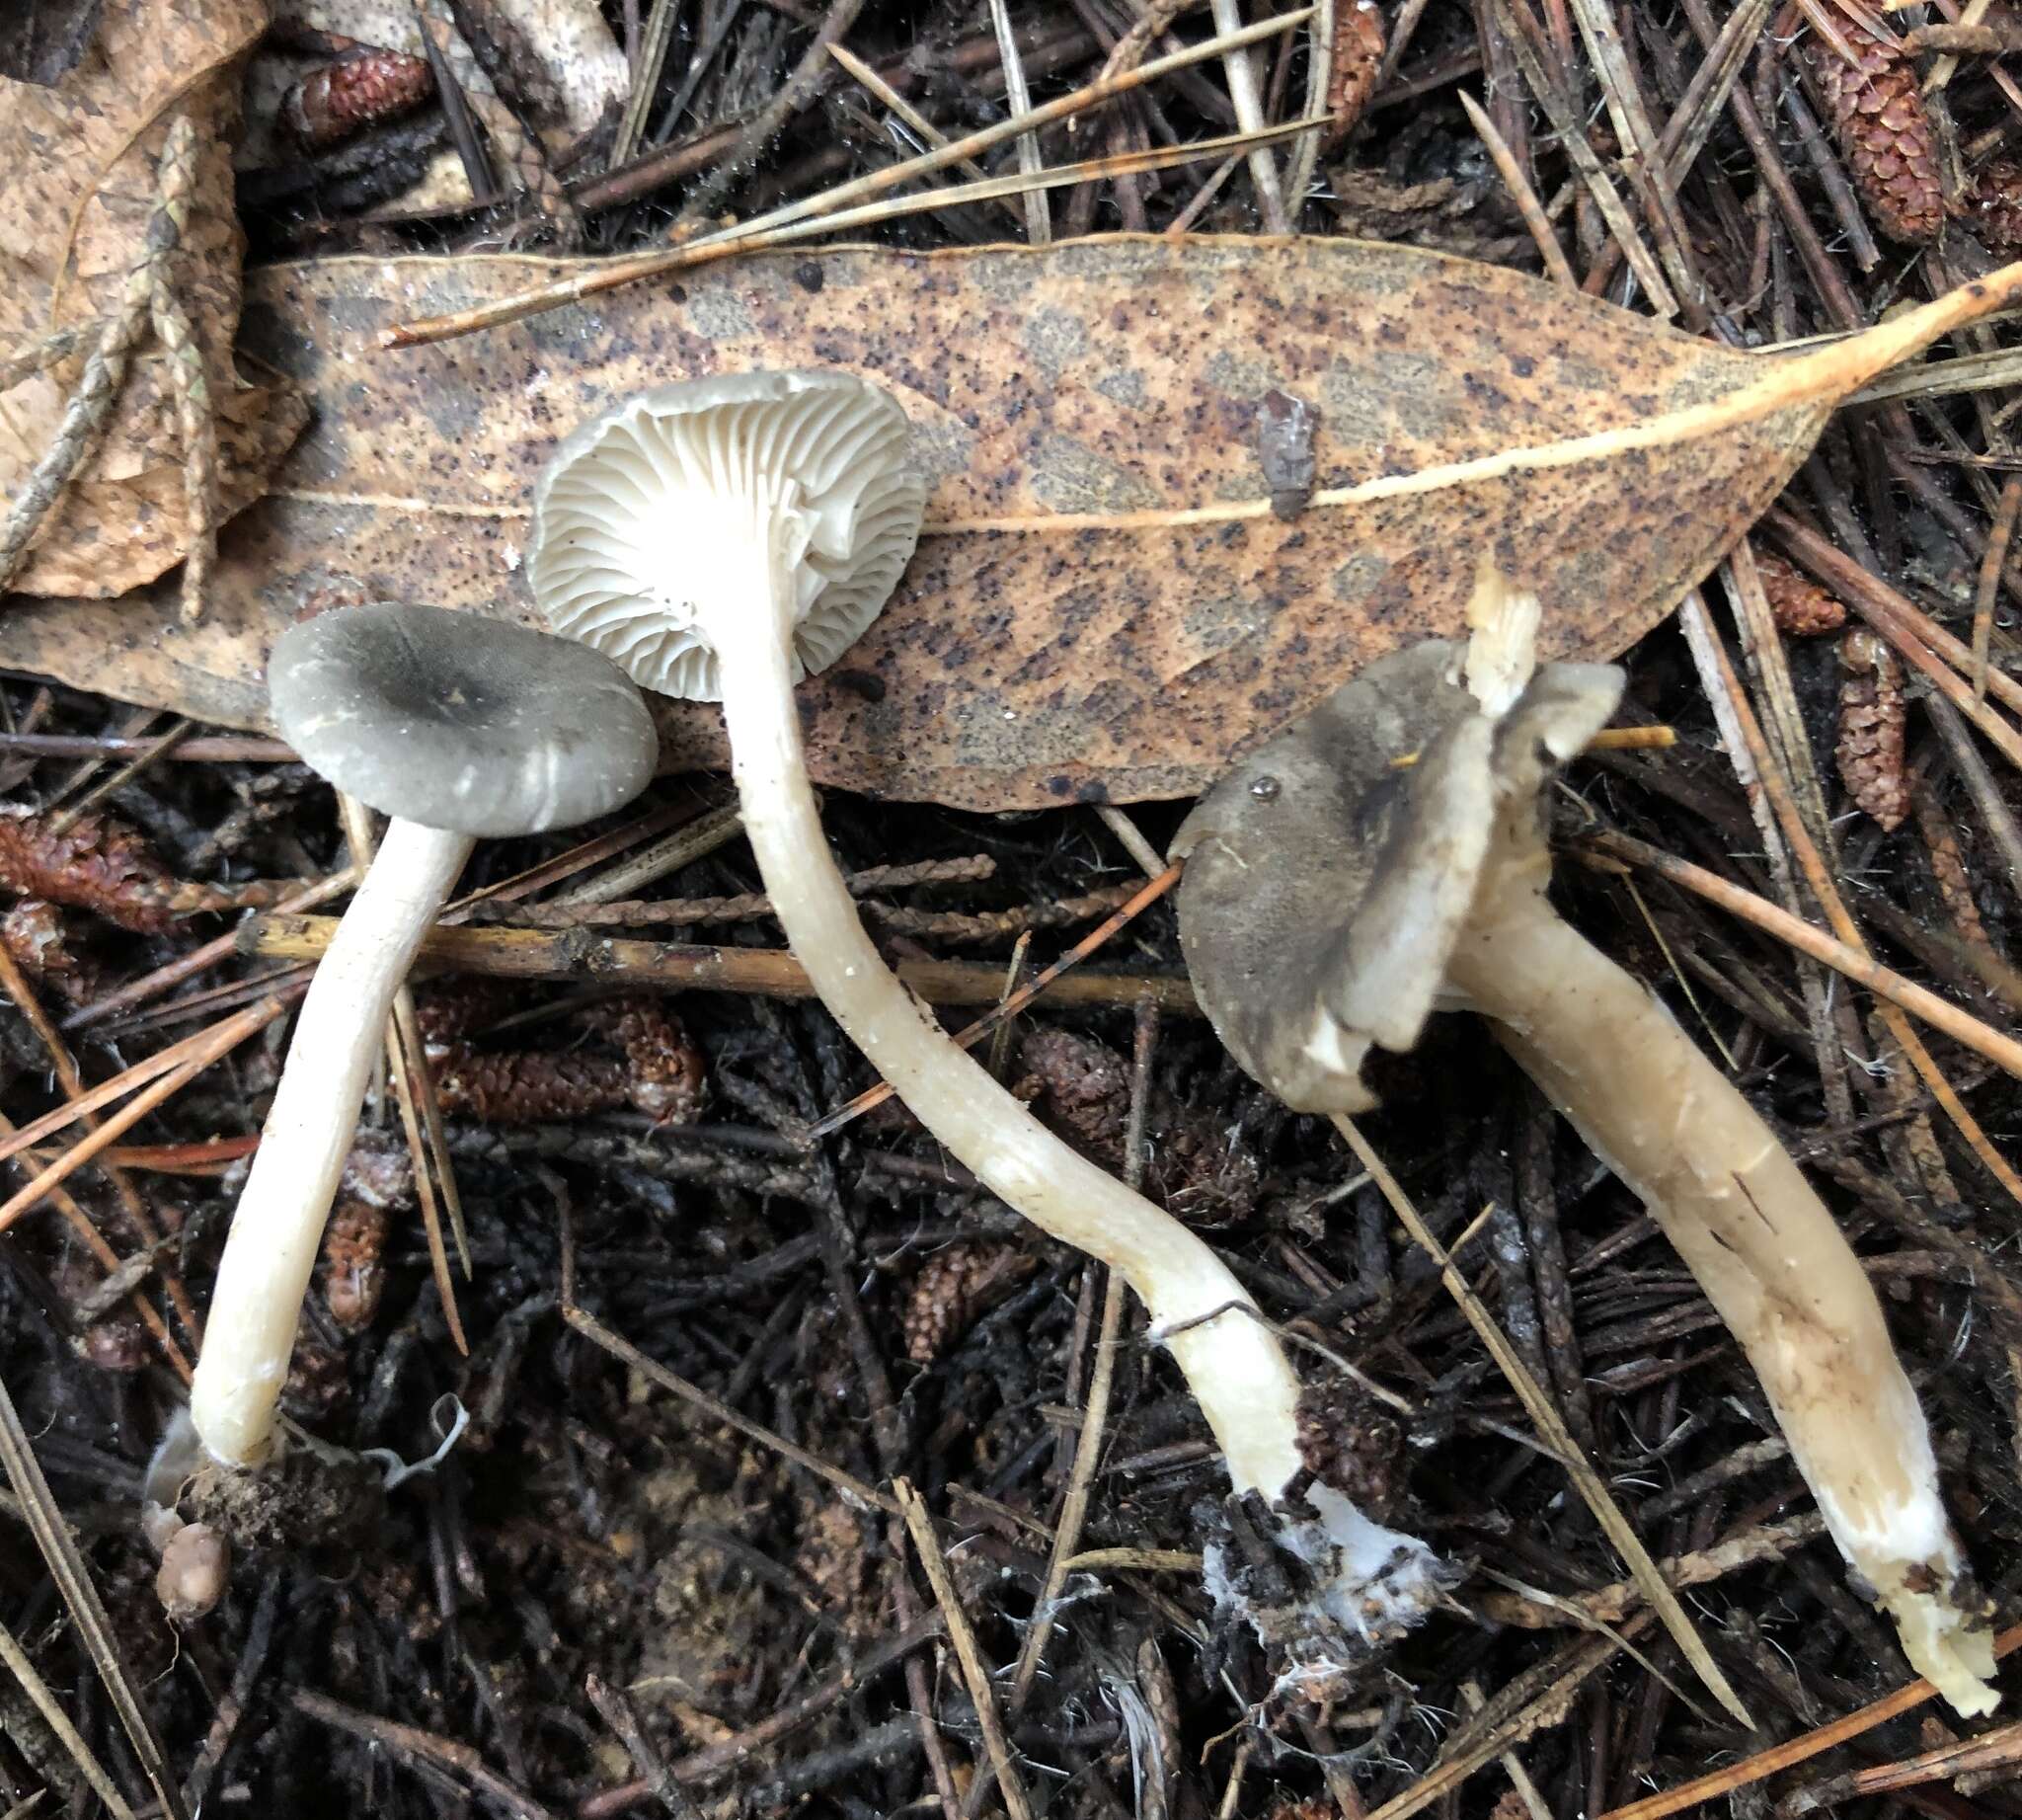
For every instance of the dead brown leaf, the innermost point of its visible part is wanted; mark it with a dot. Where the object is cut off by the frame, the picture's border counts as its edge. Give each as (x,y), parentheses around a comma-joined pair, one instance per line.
(76,177)
(1103,604)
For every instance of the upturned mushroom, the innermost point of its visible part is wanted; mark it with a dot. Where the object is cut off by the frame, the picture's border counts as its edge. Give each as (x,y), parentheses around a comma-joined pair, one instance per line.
(1334,896)
(722,537)
(456,727)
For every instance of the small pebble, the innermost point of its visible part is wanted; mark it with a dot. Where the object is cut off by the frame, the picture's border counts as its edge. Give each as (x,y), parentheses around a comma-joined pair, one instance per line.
(196,1566)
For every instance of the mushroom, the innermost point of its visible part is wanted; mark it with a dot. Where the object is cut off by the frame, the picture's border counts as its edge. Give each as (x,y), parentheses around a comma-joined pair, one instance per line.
(721,538)
(1335,896)
(456,727)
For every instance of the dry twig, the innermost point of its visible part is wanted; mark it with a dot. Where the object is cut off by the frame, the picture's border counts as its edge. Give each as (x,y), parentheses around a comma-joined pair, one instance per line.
(1551,1426)
(73,1581)
(1753,1769)
(520,148)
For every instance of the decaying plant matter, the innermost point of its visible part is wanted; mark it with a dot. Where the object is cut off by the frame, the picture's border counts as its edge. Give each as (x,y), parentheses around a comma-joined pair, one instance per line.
(1994,204)
(656,1070)
(117,465)
(1358,54)
(1800,605)
(100,864)
(1180,483)
(1873,723)
(952,1288)
(358,89)
(1450,397)
(148,298)
(515,145)
(1873,95)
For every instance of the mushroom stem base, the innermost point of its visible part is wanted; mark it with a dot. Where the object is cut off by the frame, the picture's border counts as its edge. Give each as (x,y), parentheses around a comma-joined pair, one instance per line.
(1763,1247)
(278,1227)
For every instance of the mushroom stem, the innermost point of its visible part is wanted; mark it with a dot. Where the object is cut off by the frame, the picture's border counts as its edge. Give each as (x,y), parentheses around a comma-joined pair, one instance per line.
(277,1226)
(1203,1315)
(1763,1247)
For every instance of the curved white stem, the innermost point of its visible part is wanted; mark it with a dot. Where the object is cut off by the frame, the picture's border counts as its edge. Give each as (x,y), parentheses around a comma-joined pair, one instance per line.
(1764,1248)
(1231,1360)
(278,1227)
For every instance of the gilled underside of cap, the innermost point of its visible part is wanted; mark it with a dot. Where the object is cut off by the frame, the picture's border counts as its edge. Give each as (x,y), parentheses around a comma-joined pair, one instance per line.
(1326,886)
(458,722)
(645,517)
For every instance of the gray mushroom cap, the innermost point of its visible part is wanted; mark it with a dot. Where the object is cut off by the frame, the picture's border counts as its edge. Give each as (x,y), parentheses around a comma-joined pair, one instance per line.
(1326,886)
(460,722)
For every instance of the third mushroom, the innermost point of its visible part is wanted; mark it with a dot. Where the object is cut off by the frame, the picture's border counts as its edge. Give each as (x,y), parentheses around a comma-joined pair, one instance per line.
(1386,857)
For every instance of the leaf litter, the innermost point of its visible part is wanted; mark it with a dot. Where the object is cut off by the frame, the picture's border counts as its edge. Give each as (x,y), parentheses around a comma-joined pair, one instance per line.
(1104,606)
(753,1622)
(76,220)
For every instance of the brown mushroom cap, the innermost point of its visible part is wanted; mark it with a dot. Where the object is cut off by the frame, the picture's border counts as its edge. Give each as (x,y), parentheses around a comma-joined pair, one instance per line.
(1326,886)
